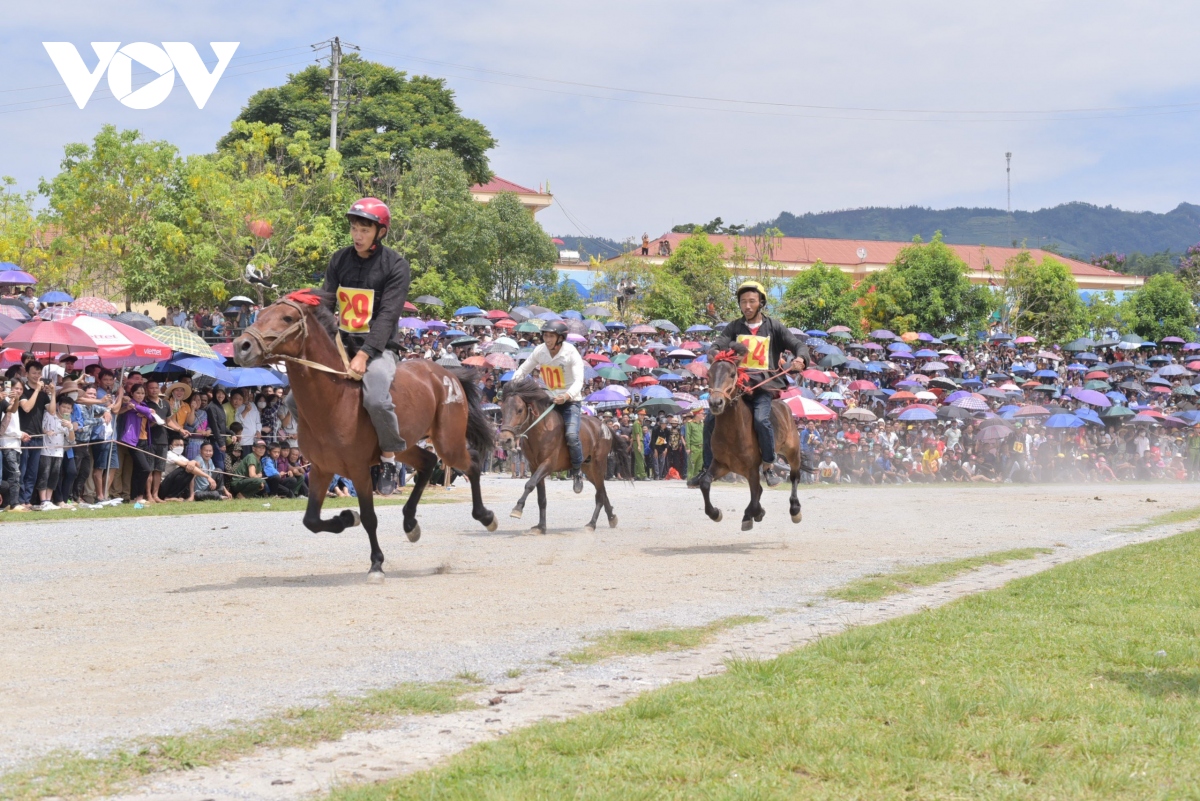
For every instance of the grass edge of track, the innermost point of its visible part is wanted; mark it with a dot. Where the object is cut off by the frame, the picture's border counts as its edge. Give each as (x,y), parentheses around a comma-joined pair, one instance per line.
(876,586)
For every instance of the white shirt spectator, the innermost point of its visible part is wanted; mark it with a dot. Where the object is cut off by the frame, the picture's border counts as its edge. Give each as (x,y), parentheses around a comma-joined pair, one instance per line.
(251,423)
(56,435)
(10,438)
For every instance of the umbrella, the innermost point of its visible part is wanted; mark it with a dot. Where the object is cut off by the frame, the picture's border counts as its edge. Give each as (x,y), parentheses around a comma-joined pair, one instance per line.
(934,366)
(119,345)
(20,312)
(642,360)
(14,275)
(612,374)
(1090,415)
(596,311)
(882,333)
(471,311)
(413,323)
(529,327)
(54,296)
(655,391)
(665,325)
(953,413)
(428,300)
(860,415)
(993,433)
(496,314)
(809,409)
(832,360)
(501,361)
(916,414)
(138,321)
(1063,421)
(478,361)
(58,313)
(664,405)
(449,361)
(50,337)
(605,395)
(699,327)
(969,401)
(182,340)
(698,369)
(816,375)
(478,322)
(248,377)
(94,305)
(1031,411)
(1092,398)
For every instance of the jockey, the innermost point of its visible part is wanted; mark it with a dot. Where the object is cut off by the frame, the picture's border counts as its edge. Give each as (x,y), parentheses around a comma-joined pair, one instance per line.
(368,284)
(561,368)
(765,339)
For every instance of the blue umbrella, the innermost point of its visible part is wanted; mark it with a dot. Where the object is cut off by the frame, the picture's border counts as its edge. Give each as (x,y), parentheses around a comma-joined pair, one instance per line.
(468,311)
(817,332)
(55,297)
(914,415)
(548,316)
(1045,374)
(1090,415)
(615,326)
(508,376)
(454,332)
(1063,421)
(194,364)
(670,377)
(895,346)
(249,377)
(698,328)
(571,314)
(1116,397)
(655,391)
(589,372)
(926,353)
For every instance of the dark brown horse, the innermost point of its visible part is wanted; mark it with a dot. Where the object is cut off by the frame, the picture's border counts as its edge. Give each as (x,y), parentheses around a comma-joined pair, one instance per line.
(527,416)
(734,446)
(433,404)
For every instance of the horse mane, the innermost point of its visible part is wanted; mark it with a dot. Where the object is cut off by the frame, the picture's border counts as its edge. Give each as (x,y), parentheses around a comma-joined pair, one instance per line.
(320,309)
(529,391)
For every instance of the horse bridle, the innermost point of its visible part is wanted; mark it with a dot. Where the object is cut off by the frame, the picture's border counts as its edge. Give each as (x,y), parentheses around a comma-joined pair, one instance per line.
(268,346)
(525,417)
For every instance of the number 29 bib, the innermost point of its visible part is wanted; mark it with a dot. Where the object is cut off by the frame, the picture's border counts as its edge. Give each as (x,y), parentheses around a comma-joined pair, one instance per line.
(758,350)
(356,307)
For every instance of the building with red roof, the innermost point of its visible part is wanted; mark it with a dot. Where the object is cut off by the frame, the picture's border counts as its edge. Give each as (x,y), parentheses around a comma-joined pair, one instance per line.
(861,257)
(532,199)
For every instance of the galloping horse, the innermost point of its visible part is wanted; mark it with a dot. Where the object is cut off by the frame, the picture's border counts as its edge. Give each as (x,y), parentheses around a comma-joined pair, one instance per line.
(434,404)
(528,416)
(734,446)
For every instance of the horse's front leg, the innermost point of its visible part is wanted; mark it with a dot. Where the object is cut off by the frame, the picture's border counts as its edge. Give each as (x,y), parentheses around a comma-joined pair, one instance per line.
(716,470)
(366,508)
(318,486)
(478,511)
(423,469)
(540,528)
(754,511)
(794,499)
(540,472)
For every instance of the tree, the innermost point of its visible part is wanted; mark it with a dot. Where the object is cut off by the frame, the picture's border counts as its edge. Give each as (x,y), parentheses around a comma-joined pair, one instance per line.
(1104,313)
(1189,271)
(520,255)
(820,297)
(27,242)
(925,288)
(616,274)
(1162,307)
(106,200)
(562,297)
(699,264)
(753,257)
(668,298)
(391,116)
(1042,298)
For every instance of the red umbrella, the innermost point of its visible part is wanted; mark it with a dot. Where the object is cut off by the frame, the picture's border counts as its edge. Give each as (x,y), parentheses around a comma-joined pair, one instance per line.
(643,381)
(809,409)
(698,369)
(51,337)
(861,385)
(690,345)
(94,305)
(816,375)
(120,345)
(496,314)
(506,323)
(642,360)
(475,361)
(501,361)
(642,329)
(903,396)
(223,349)
(596,358)
(1096,374)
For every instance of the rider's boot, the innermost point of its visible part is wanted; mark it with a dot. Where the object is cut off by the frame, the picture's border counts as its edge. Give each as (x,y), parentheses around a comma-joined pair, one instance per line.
(389,477)
(577,479)
(769,475)
(698,479)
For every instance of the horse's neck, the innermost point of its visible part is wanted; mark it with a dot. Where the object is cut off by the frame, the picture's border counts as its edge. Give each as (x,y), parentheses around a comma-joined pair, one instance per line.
(312,385)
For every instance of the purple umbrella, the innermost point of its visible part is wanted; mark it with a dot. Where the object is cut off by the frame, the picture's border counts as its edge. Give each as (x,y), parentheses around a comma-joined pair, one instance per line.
(415,323)
(969,401)
(1175,340)
(935,366)
(882,333)
(953,396)
(872,346)
(1091,397)
(603,395)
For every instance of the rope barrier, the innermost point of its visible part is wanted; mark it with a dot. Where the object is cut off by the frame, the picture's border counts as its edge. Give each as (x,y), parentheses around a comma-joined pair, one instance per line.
(122,444)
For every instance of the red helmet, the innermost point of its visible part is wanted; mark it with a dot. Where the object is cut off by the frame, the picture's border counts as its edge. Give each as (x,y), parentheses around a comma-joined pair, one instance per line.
(373,210)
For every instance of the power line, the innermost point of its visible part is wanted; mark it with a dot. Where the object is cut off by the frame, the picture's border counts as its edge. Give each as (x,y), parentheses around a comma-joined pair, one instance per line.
(742,101)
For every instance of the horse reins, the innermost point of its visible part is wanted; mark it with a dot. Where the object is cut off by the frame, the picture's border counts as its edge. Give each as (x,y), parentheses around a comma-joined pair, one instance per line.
(528,428)
(301,325)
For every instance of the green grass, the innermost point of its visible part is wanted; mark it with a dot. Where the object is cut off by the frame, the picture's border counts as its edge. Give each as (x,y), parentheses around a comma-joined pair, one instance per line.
(1166,519)
(73,775)
(880,585)
(621,643)
(1081,682)
(218,507)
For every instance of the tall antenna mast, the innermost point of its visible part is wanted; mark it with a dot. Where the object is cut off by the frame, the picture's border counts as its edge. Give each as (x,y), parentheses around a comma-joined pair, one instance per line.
(1008,181)
(336,104)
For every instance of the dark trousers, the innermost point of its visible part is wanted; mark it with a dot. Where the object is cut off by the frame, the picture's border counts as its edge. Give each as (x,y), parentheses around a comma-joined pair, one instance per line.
(83,463)
(31,462)
(760,407)
(571,412)
(66,479)
(10,485)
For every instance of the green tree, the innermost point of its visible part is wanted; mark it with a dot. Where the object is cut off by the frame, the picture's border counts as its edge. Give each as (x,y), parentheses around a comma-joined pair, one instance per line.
(1189,271)
(107,200)
(628,269)
(391,116)
(699,264)
(449,288)
(820,297)
(1042,298)
(27,242)
(668,298)
(925,288)
(564,296)
(1162,307)
(520,256)
(1104,313)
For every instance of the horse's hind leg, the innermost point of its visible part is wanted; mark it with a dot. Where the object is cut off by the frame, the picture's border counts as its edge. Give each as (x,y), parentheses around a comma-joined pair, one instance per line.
(478,511)
(366,508)
(540,528)
(426,461)
(754,511)
(794,499)
(597,478)
(602,497)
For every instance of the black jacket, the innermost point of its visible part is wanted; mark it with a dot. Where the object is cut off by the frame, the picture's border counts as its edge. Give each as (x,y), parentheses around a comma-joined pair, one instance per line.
(781,339)
(385,272)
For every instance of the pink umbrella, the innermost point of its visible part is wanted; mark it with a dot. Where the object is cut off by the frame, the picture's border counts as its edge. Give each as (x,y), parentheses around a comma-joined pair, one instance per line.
(861,385)
(120,345)
(94,305)
(808,409)
(1024,340)
(642,329)
(224,349)
(642,361)
(501,361)
(50,338)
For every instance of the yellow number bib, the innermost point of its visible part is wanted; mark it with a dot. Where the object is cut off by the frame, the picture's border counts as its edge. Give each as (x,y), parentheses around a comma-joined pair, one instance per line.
(356,307)
(758,350)
(552,377)
(1019,447)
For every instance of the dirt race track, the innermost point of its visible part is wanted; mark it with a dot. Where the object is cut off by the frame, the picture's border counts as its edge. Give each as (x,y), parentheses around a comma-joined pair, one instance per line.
(113,629)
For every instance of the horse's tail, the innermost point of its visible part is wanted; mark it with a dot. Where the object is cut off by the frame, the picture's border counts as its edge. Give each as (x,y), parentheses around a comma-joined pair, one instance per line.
(480,436)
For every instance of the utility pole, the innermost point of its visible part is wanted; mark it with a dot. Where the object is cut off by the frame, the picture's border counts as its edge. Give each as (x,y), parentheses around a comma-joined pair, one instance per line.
(336,104)
(1008,181)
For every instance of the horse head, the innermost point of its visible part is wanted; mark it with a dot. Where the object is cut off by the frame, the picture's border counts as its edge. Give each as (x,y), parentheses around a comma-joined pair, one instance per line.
(723,378)
(281,329)
(522,403)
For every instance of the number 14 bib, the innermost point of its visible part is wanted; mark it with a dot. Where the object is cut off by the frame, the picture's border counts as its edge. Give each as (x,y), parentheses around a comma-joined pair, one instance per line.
(758,350)
(356,307)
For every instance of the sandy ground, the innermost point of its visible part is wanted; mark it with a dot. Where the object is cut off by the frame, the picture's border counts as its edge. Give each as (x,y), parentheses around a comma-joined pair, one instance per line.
(121,628)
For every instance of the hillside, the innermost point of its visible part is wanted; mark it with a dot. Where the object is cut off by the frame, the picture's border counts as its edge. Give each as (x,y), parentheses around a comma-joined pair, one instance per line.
(1078,229)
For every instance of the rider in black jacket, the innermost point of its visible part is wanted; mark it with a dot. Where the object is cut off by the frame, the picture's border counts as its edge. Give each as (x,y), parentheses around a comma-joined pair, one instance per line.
(765,339)
(368,285)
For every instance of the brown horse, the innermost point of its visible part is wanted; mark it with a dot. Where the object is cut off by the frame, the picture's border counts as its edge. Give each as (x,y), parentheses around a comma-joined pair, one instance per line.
(734,446)
(527,416)
(433,404)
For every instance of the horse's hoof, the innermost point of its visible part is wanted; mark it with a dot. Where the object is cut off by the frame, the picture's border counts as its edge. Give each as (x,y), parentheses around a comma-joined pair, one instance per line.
(516,513)
(747,525)
(375,577)
(589,529)
(415,534)
(491,526)
(796,517)
(758,518)
(537,530)
(718,517)
(612,522)
(355,518)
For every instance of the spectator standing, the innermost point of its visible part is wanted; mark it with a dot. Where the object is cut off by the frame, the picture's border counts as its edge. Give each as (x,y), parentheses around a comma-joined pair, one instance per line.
(10,445)
(247,415)
(32,412)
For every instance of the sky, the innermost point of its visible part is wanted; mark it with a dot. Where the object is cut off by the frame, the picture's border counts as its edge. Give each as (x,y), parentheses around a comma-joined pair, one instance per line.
(643,115)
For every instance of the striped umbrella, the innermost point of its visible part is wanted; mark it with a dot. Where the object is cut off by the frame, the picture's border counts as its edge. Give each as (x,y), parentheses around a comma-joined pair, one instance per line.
(58,313)
(182,340)
(971,402)
(94,305)
(14,312)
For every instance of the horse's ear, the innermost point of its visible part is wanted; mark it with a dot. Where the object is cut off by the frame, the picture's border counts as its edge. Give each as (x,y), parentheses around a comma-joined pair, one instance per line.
(738,348)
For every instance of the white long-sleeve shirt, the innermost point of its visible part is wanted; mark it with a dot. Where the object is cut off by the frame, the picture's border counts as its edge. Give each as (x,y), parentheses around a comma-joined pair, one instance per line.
(561,374)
